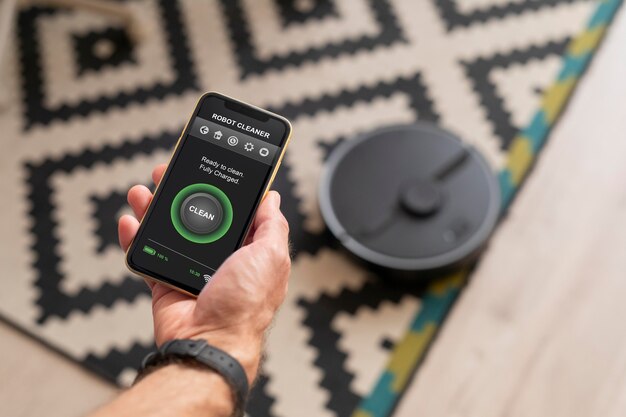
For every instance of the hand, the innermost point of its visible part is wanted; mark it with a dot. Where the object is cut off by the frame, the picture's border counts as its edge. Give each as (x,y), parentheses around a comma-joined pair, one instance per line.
(238,304)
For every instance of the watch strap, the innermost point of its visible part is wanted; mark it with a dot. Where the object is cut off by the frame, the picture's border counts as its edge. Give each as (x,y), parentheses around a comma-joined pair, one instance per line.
(200,351)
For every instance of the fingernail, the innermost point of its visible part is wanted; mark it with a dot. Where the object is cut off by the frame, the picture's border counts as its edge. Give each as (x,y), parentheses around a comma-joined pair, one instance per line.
(276,201)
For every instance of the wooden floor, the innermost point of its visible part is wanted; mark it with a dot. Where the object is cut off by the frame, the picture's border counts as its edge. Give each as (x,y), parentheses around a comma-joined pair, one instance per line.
(539,331)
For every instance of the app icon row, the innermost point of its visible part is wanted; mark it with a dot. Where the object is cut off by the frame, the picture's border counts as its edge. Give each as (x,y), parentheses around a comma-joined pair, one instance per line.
(233,141)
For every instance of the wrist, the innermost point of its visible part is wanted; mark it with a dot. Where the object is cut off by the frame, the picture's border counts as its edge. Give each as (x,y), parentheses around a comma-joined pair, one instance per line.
(196,352)
(246,349)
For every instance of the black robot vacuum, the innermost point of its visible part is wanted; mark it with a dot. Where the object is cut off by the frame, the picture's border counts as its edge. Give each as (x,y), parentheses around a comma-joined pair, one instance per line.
(413,199)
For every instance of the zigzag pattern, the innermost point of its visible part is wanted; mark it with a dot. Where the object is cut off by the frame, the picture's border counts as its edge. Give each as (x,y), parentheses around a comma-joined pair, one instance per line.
(250,64)
(400,80)
(52,300)
(320,315)
(37,112)
(455,18)
(479,71)
(290,15)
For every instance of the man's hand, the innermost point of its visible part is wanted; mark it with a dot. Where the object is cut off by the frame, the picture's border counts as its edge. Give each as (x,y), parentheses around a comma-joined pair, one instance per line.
(236,307)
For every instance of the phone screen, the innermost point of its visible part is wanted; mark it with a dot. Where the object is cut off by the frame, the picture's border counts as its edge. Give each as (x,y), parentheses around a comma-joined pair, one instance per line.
(209,193)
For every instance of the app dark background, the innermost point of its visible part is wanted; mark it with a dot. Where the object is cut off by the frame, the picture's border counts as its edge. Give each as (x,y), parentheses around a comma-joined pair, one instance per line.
(185,171)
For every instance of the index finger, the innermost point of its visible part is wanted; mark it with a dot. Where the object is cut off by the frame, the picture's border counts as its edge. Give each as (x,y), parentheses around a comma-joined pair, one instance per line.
(157,173)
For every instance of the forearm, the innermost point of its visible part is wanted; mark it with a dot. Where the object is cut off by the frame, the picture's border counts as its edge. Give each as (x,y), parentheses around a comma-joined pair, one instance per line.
(187,388)
(174,390)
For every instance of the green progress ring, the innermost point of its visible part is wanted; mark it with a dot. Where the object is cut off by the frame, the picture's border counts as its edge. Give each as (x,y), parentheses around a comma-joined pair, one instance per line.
(201,188)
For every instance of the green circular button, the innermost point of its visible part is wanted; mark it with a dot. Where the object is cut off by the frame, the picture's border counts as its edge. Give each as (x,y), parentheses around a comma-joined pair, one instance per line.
(191,232)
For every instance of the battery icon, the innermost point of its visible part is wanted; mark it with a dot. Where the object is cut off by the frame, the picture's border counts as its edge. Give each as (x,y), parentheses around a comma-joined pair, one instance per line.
(150,251)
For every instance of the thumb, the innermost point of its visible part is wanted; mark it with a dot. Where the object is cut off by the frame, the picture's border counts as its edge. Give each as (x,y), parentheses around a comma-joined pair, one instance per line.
(269,223)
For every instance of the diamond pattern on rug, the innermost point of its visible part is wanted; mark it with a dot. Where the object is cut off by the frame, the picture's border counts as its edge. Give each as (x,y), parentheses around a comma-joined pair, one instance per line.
(91,112)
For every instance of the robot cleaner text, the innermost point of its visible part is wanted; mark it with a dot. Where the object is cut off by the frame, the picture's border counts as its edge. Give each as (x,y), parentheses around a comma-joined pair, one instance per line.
(240,125)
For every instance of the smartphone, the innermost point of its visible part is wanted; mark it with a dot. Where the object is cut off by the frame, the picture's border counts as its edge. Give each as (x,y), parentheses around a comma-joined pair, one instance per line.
(221,168)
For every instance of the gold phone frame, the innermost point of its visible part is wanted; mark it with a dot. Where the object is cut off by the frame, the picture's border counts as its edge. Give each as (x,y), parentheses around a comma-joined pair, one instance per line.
(178,142)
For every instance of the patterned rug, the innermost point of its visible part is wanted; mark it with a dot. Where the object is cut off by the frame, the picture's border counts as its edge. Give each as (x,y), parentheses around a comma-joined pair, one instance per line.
(88,113)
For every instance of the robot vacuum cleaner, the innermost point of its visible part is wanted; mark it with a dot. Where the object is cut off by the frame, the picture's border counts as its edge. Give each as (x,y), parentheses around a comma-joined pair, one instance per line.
(413,199)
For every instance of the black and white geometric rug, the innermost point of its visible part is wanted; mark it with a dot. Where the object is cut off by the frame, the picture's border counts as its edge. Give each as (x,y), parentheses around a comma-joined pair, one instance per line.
(89,113)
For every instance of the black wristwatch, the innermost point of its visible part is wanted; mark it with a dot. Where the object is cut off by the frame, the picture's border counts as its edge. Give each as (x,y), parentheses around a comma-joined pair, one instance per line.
(200,351)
